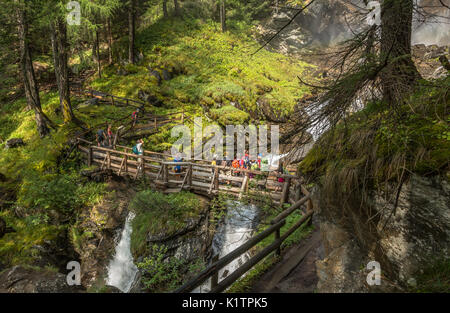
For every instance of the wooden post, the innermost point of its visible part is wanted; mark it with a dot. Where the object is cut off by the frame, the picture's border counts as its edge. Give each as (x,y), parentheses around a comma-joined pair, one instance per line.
(90,156)
(127,102)
(216,178)
(126,163)
(277,237)
(215,277)
(298,192)
(121,166)
(108,154)
(243,186)
(112,100)
(309,209)
(143,164)
(155,123)
(182,116)
(165,173)
(190,175)
(285,192)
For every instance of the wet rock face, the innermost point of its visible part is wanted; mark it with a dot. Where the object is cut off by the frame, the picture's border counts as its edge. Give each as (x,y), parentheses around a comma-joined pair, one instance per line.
(428,60)
(58,253)
(103,221)
(416,232)
(322,24)
(26,280)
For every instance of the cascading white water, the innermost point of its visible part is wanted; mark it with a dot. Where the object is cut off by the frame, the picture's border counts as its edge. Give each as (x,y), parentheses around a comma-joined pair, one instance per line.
(121,269)
(237,228)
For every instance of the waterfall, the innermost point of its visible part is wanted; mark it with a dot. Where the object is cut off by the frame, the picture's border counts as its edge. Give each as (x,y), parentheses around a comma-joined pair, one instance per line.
(236,229)
(121,269)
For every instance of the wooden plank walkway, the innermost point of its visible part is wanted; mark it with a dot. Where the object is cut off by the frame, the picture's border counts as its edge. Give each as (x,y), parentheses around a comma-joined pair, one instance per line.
(196,176)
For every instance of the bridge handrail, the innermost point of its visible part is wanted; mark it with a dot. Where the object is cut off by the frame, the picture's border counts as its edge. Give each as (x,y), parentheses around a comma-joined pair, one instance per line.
(214,268)
(193,162)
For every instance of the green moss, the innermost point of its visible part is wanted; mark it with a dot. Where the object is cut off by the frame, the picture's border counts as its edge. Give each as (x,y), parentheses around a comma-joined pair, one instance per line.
(434,278)
(157,214)
(229,115)
(416,134)
(207,64)
(18,247)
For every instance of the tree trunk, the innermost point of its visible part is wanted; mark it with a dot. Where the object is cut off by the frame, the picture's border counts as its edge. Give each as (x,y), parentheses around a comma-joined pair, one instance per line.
(97,52)
(177,7)
(131,31)
(166,14)
(223,17)
(110,41)
(28,76)
(400,73)
(59,45)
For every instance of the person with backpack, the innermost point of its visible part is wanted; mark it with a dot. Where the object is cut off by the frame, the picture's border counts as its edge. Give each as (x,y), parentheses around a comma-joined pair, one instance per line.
(177,168)
(100,137)
(235,164)
(138,149)
(280,170)
(134,117)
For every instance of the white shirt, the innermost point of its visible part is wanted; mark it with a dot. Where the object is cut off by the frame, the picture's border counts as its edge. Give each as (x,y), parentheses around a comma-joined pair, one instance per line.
(139,148)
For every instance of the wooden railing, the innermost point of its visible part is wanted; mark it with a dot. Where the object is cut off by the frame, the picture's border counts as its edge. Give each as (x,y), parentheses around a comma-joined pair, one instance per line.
(277,223)
(114,100)
(196,176)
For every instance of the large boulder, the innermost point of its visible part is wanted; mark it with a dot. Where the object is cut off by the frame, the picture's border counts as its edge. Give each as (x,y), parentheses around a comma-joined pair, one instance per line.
(14,143)
(166,75)
(98,175)
(88,103)
(19,279)
(409,236)
(155,75)
(149,98)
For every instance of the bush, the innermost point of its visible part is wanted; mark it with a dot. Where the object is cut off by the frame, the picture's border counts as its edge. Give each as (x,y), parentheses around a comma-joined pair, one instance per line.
(159,272)
(157,213)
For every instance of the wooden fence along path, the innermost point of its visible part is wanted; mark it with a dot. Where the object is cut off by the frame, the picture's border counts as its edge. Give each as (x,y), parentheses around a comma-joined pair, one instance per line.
(147,123)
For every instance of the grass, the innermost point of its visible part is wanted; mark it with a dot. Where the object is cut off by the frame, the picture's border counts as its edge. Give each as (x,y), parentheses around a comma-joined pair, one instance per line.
(46,191)
(210,68)
(435,278)
(159,214)
(415,136)
(19,247)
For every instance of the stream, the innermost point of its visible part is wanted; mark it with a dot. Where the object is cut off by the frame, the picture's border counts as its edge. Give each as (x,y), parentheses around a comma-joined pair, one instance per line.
(121,269)
(236,229)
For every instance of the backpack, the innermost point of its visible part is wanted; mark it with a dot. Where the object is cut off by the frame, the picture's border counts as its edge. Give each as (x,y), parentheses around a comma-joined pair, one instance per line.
(135,150)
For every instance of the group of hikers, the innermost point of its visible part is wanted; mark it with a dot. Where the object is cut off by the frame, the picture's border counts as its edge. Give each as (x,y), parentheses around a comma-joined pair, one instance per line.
(243,163)
(105,139)
(234,166)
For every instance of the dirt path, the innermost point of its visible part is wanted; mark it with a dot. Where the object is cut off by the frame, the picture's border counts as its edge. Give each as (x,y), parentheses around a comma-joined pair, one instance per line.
(296,272)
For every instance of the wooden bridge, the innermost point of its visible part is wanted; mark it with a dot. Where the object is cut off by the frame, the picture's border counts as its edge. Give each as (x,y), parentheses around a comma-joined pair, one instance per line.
(195,176)
(157,170)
